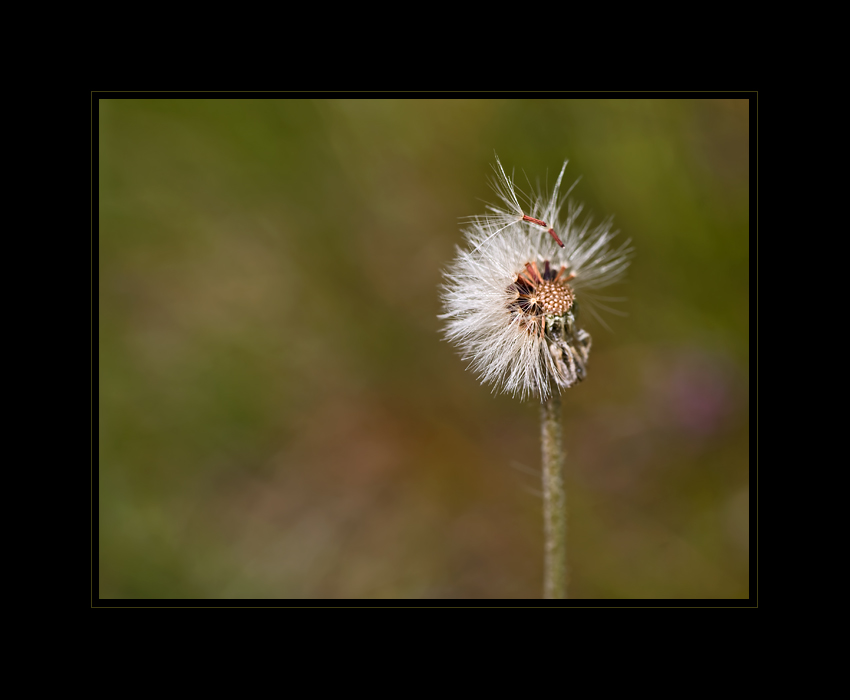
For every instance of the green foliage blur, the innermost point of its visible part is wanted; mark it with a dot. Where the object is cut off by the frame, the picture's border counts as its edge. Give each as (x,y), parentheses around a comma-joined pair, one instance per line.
(280,418)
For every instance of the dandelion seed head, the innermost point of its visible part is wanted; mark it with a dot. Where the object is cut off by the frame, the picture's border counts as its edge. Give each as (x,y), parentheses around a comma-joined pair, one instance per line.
(511,294)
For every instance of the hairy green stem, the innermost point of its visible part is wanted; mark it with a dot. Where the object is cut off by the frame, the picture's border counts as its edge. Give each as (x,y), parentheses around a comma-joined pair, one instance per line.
(554,501)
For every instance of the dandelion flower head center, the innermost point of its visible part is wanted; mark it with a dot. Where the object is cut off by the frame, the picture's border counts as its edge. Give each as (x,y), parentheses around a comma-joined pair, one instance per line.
(555,297)
(546,292)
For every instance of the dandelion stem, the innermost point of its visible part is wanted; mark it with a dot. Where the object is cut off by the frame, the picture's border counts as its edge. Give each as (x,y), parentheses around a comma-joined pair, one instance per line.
(554,501)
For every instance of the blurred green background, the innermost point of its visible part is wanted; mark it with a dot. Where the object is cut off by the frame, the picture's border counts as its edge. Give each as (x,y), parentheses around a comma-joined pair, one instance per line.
(279,417)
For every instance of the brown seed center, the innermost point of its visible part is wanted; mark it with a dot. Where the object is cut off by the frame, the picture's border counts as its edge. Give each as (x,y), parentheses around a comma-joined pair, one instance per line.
(555,297)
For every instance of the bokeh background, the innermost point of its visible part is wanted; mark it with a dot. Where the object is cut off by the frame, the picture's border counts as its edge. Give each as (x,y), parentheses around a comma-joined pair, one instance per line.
(279,416)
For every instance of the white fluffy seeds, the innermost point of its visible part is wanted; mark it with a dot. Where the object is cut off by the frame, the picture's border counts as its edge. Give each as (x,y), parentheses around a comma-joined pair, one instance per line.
(512,276)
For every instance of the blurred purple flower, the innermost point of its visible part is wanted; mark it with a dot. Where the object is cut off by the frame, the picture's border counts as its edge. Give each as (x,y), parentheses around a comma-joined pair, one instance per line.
(696,391)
